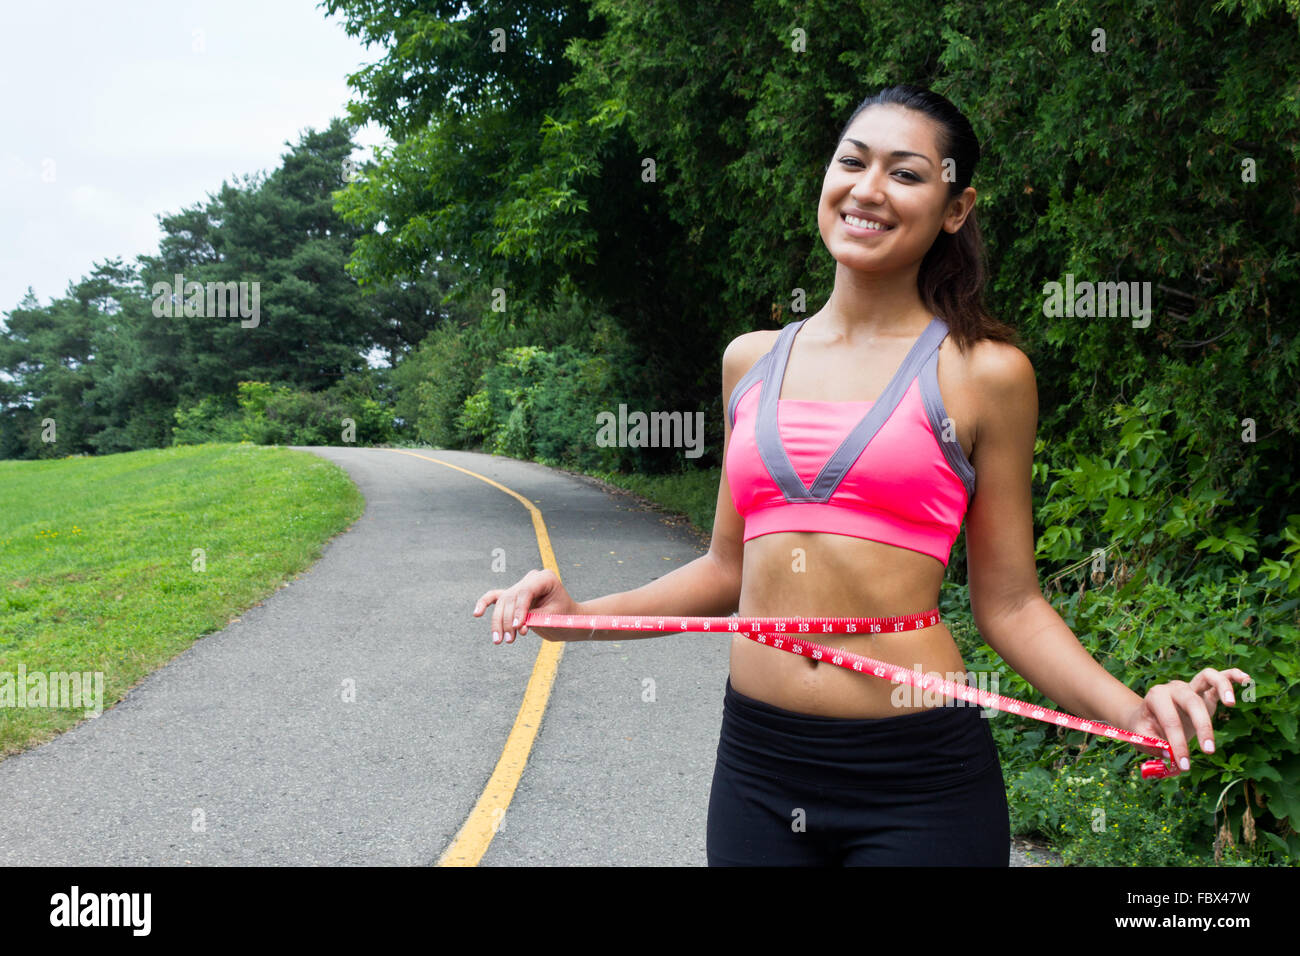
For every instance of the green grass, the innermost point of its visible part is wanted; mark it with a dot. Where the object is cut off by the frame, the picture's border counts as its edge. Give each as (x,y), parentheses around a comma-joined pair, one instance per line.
(97,563)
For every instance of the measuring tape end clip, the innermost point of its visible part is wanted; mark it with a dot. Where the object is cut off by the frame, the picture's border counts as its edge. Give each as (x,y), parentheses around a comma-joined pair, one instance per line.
(1154,769)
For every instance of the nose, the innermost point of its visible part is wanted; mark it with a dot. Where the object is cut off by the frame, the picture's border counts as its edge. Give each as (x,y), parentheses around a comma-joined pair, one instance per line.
(867,189)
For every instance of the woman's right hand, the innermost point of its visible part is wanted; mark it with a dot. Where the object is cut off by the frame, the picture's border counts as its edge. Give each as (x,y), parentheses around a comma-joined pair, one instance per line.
(539,591)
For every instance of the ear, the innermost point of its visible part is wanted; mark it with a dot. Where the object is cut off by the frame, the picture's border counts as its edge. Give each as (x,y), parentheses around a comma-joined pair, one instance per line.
(959,208)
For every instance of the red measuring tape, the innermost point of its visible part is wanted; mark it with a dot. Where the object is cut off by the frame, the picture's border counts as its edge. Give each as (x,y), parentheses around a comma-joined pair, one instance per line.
(785,633)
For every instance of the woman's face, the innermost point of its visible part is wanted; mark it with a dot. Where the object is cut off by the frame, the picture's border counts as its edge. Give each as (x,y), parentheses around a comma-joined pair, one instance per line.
(887,169)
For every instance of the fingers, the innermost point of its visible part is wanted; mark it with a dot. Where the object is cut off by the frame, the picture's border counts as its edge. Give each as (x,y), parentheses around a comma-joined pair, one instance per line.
(1160,701)
(523,598)
(507,614)
(483,602)
(512,607)
(1199,711)
(1174,702)
(1216,685)
(1213,686)
(488,599)
(504,599)
(1237,674)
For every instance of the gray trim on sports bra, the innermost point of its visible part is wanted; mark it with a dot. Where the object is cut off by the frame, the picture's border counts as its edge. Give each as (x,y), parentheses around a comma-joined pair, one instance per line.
(755,374)
(922,359)
(934,410)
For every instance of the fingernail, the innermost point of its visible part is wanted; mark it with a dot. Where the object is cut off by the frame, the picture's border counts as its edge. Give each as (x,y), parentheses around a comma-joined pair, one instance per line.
(1209,747)
(1185,764)
(1228,698)
(496,638)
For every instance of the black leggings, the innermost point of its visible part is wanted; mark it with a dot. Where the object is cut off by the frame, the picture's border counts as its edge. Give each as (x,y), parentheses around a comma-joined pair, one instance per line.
(922,788)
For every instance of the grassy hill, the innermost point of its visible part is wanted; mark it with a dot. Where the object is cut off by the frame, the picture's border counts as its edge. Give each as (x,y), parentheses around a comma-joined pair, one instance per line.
(113,565)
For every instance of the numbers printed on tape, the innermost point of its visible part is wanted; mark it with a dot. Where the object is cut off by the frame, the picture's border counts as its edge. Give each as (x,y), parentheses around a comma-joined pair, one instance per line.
(826,625)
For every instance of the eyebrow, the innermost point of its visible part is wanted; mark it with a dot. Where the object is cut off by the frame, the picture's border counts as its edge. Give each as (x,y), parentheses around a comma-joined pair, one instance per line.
(898,152)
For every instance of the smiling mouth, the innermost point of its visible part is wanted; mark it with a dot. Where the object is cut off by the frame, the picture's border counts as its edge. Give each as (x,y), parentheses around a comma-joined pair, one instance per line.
(864,223)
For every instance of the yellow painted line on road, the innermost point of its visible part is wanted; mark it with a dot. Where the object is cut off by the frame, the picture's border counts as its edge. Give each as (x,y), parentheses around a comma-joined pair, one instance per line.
(472,839)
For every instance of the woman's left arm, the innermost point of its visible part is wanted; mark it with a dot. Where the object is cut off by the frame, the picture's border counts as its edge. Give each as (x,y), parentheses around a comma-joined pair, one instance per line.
(1007,604)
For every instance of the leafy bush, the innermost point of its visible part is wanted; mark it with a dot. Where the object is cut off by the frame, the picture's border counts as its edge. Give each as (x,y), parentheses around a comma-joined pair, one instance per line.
(209,420)
(478,387)
(476,420)
(1158,579)
(433,383)
(280,415)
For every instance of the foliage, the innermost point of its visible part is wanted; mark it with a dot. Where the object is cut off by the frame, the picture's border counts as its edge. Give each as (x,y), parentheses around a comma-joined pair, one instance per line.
(280,415)
(208,420)
(113,361)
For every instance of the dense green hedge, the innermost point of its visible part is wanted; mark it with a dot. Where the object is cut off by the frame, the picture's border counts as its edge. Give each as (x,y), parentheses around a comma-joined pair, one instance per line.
(280,415)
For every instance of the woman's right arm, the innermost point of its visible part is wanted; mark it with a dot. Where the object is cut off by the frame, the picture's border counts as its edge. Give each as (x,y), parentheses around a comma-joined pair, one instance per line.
(709,586)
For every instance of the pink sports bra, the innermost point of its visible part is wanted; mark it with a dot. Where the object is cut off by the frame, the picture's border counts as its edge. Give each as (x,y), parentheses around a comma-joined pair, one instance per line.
(893,473)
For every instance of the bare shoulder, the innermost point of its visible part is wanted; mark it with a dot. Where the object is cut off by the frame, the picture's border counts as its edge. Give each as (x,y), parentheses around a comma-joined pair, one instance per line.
(743,351)
(1004,394)
(1000,371)
(746,348)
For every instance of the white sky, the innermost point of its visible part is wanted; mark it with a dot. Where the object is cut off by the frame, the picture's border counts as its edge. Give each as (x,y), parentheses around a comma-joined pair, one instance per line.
(144,107)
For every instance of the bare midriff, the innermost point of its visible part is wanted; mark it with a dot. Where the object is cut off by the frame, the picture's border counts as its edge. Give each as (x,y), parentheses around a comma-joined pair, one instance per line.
(805,574)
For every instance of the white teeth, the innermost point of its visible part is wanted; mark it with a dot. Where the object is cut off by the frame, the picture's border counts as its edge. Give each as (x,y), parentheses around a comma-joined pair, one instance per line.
(865,223)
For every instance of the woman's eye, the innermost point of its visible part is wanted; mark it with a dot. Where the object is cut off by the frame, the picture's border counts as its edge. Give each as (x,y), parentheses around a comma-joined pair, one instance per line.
(906,172)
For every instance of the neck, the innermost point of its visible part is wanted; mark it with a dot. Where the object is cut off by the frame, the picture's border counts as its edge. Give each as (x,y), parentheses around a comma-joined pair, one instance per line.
(865,306)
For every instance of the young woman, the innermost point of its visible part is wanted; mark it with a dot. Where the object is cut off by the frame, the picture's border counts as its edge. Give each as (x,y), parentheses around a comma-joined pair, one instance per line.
(855,441)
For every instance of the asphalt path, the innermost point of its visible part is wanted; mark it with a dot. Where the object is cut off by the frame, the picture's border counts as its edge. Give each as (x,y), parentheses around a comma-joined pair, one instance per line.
(243,749)
(355,715)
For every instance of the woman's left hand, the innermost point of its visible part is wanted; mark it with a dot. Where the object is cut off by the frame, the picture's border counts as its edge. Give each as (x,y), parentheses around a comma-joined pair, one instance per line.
(1179,709)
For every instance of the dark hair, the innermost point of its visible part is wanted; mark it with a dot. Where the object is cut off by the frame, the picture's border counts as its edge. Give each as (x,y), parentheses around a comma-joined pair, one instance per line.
(951,278)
